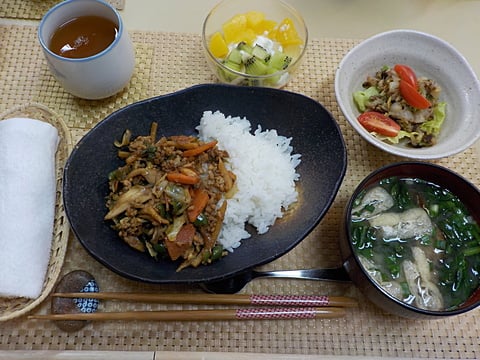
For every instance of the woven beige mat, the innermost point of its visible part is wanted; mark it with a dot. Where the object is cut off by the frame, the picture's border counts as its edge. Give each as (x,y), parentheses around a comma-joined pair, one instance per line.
(162,68)
(35,9)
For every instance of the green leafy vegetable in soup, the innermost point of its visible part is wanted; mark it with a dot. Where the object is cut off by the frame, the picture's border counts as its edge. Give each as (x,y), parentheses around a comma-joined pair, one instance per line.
(418,241)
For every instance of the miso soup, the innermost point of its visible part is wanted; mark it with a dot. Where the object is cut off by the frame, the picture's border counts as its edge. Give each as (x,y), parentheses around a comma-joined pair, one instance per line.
(418,241)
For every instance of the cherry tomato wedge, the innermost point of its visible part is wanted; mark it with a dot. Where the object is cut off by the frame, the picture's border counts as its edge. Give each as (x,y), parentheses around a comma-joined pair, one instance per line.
(412,96)
(407,74)
(377,122)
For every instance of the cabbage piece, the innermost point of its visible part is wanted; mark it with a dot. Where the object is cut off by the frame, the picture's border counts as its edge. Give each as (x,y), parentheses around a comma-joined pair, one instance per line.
(433,126)
(395,139)
(174,228)
(362,97)
(429,127)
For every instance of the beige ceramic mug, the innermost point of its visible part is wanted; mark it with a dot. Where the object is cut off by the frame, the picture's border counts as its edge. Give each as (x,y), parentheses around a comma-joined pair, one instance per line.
(95,76)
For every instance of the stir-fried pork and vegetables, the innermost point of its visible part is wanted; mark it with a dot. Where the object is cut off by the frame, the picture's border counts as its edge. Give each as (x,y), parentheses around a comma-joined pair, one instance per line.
(169,197)
(418,241)
(396,105)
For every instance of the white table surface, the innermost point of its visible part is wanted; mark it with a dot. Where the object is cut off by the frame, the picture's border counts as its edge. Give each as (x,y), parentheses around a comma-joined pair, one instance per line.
(456,21)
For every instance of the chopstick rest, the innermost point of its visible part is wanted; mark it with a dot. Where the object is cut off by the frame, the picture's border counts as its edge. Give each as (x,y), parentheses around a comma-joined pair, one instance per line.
(204,315)
(84,283)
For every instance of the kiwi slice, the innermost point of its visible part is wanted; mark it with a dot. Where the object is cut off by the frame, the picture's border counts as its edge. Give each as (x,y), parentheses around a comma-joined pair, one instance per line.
(235,56)
(255,66)
(233,65)
(243,46)
(255,60)
(280,61)
(261,53)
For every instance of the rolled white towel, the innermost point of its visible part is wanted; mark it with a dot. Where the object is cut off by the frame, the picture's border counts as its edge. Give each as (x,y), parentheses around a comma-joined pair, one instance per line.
(27,204)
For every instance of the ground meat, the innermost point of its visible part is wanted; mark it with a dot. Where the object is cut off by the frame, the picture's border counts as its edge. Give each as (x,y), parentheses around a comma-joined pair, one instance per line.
(172,180)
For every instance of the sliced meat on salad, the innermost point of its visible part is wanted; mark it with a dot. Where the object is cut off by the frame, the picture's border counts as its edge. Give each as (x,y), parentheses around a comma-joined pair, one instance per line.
(396,105)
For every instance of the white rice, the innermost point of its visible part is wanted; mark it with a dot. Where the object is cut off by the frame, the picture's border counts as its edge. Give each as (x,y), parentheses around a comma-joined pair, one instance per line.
(265,169)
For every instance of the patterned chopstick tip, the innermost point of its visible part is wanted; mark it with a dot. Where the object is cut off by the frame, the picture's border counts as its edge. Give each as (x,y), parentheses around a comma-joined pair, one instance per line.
(276,313)
(290,300)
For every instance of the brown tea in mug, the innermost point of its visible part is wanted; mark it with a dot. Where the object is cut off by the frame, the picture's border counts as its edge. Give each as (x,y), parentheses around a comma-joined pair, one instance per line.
(83,36)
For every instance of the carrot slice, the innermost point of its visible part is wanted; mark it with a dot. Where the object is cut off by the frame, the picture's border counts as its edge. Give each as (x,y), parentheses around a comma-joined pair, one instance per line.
(182,178)
(199,202)
(182,242)
(200,149)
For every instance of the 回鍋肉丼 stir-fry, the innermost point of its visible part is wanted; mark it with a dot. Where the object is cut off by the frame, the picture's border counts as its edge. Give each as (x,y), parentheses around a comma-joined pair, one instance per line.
(168,199)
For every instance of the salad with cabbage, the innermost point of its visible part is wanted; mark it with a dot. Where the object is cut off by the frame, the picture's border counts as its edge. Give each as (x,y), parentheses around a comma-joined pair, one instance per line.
(397,106)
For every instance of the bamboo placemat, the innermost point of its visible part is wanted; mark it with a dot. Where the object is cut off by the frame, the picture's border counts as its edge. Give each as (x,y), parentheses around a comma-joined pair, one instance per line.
(167,62)
(35,9)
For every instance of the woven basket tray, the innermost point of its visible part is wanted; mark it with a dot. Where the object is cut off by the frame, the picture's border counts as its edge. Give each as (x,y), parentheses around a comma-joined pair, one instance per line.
(13,307)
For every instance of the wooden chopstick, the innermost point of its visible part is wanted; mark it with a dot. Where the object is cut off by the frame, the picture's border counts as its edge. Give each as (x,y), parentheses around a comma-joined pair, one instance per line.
(215,299)
(258,313)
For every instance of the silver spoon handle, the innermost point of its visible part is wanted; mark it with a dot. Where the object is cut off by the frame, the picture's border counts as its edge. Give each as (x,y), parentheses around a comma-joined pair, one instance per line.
(333,274)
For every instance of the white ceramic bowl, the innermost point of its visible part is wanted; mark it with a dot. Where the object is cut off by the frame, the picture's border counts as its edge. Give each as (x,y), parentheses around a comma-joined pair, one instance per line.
(431,57)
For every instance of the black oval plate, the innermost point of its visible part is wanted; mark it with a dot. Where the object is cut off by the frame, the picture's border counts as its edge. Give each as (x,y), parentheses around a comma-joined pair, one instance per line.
(315,135)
